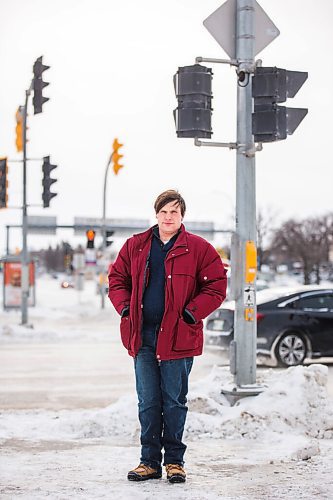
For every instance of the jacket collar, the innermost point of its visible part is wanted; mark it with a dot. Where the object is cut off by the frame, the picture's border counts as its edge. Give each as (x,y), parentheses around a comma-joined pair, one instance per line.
(147,235)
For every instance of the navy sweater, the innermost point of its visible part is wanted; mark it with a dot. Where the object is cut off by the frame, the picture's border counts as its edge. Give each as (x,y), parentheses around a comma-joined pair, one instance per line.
(154,295)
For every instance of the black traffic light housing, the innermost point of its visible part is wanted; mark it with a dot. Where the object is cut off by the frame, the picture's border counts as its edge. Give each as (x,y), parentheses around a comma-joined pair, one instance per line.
(47,181)
(90,233)
(271,86)
(108,235)
(3,183)
(193,88)
(38,85)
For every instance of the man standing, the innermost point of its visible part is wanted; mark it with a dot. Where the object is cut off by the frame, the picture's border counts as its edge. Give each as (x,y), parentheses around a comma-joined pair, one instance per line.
(163,283)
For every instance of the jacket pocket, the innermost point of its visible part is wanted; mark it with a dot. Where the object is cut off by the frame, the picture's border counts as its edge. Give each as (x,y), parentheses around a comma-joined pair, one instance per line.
(125,331)
(185,285)
(187,337)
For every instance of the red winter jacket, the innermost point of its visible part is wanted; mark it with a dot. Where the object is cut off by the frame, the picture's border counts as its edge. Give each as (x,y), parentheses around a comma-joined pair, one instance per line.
(195,279)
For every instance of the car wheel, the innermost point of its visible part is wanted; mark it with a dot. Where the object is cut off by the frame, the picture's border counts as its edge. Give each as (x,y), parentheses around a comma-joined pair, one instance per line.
(291,350)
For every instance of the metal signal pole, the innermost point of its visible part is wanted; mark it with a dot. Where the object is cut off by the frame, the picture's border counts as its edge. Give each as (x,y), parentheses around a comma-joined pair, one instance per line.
(245,312)
(104,245)
(24,254)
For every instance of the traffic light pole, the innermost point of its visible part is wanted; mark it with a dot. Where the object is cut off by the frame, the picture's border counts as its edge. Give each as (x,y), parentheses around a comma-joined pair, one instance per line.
(244,346)
(242,28)
(104,228)
(24,255)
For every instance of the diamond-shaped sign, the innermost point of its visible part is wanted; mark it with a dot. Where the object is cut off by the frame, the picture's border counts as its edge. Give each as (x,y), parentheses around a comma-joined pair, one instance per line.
(221,24)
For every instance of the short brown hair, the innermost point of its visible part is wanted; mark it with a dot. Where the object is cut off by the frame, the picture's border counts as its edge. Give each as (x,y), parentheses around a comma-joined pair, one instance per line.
(168,196)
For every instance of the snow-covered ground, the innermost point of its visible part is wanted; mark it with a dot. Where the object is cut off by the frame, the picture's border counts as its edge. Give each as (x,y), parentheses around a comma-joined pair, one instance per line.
(275,445)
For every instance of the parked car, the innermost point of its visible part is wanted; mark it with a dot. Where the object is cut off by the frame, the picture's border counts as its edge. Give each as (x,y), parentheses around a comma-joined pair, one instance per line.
(292,324)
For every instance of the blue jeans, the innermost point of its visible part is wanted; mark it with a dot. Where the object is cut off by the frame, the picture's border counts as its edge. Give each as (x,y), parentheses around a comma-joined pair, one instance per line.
(162,388)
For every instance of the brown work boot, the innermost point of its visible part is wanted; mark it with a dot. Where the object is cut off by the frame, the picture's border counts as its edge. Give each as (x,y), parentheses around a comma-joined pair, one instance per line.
(143,472)
(175,473)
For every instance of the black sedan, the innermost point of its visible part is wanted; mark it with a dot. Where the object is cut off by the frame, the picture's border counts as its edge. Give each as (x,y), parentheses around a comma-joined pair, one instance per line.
(292,324)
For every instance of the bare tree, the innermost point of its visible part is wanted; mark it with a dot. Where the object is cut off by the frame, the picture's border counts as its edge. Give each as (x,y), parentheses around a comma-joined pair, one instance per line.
(307,241)
(265,228)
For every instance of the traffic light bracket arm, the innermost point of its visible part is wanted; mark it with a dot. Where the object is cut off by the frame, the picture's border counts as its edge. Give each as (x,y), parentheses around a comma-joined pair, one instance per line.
(248,66)
(230,145)
(232,62)
(243,67)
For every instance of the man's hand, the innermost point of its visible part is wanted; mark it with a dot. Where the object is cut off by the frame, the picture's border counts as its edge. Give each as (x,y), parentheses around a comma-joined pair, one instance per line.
(125,311)
(188,317)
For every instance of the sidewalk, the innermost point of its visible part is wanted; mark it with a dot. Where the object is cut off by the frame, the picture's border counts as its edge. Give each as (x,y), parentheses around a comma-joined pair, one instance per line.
(63,470)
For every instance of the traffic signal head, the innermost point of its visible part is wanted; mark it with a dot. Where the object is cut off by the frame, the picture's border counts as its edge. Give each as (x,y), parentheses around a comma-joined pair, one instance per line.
(19,128)
(271,86)
(3,183)
(108,235)
(38,85)
(193,88)
(47,181)
(116,156)
(90,233)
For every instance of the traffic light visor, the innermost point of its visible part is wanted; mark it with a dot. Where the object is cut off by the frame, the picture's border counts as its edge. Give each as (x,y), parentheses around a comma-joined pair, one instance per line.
(116,157)
(116,145)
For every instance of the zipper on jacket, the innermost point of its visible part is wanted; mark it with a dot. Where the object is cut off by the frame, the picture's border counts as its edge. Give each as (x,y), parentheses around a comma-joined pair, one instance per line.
(167,289)
(143,291)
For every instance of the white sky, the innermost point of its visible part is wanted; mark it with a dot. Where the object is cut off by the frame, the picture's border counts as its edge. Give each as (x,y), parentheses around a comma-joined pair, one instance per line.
(111,73)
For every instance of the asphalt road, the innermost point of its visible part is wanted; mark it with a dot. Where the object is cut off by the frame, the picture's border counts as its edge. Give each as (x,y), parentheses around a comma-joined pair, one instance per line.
(78,374)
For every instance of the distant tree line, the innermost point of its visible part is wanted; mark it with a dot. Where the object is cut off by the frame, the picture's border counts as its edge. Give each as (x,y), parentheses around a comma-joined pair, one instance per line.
(308,242)
(58,259)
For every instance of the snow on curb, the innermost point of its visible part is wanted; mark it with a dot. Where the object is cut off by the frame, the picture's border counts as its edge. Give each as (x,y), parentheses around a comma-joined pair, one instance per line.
(286,420)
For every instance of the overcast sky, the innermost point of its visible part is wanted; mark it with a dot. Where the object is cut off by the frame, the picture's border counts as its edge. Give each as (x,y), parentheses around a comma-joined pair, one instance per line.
(112,64)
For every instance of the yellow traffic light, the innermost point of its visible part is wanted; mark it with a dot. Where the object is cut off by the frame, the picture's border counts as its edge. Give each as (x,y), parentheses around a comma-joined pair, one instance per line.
(116,156)
(19,129)
(90,234)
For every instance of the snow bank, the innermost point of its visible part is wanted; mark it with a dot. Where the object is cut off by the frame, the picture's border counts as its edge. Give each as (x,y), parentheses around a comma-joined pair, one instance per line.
(13,333)
(295,401)
(293,407)
(60,315)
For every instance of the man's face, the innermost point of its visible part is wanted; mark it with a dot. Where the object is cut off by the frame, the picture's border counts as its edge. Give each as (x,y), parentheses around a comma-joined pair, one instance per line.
(169,219)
